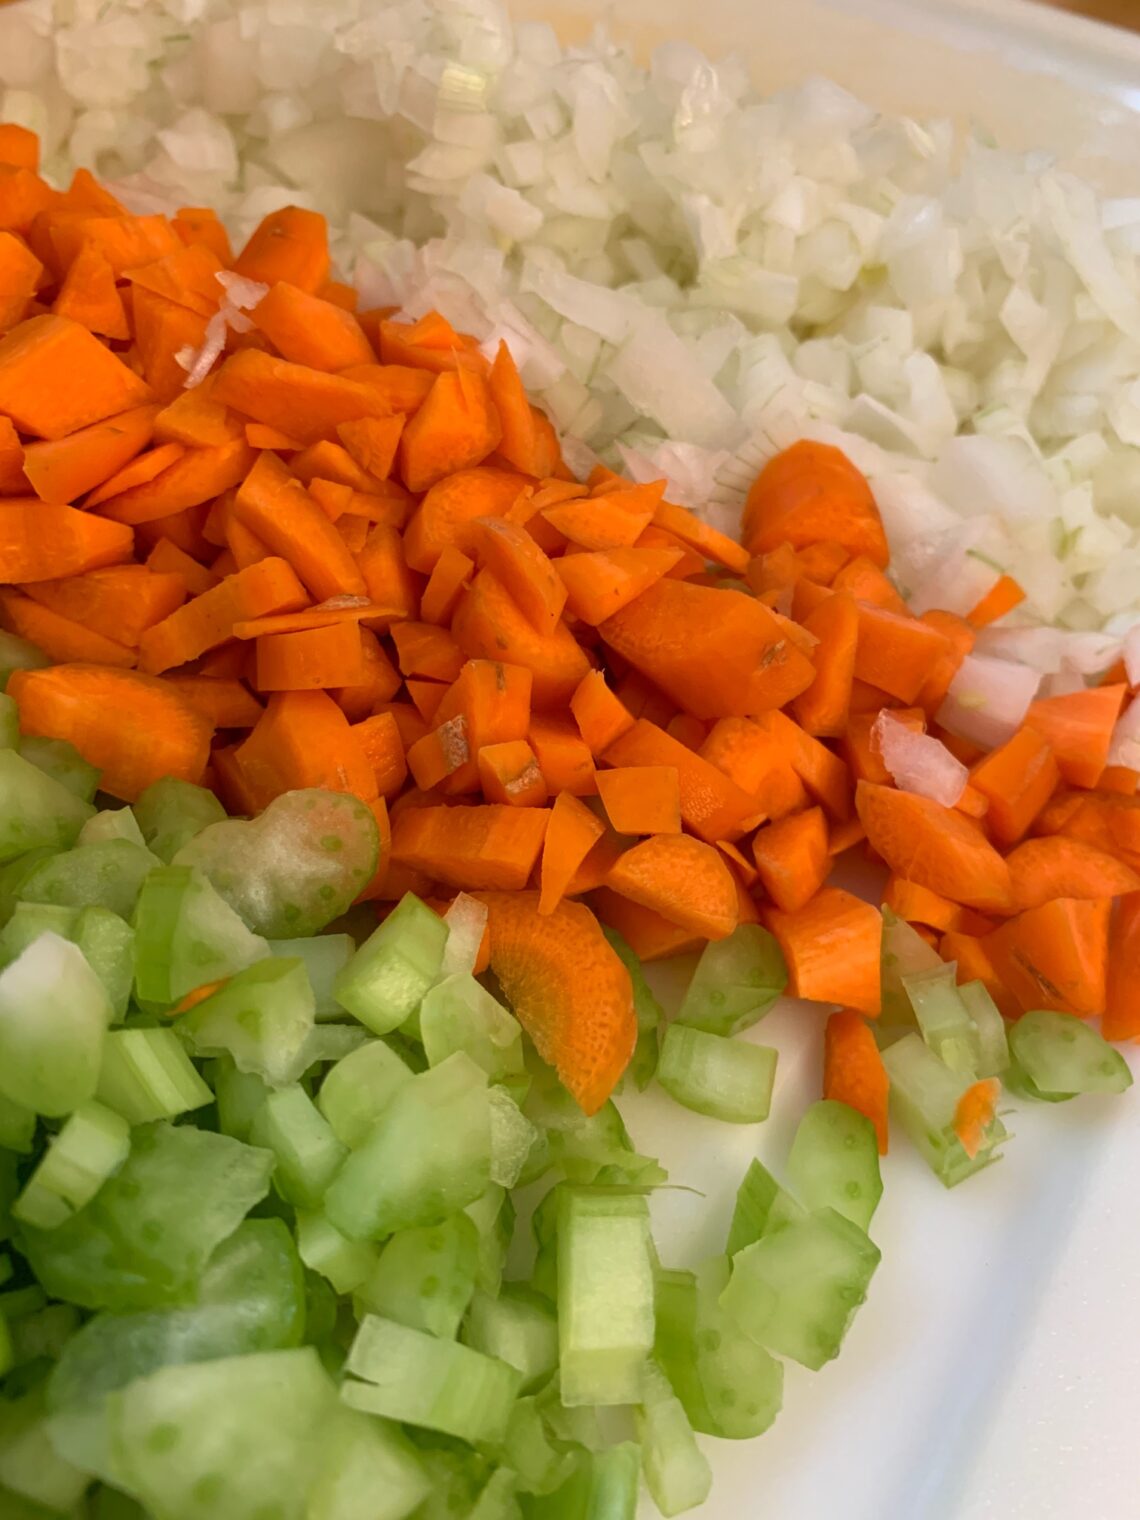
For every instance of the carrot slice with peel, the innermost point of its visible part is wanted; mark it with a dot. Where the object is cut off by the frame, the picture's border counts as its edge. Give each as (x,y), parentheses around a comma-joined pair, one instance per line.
(853,1070)
(1042,869)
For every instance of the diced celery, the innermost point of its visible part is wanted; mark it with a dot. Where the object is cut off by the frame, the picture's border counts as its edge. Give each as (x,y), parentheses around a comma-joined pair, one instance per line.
(493,1215)
(29,921)
(603,1486)
(308,1154)
(924,1098)
(585,1147)
(834,1162)
(260,1018)
(7,1352)
(36,812)
(186,937)
(455,1473)
(9,723)
(388,976)
(539,1465)
(171,812)
(650,1014)
(13,876)
(18,654)
(943,1019)
(107,943)
(147,1075)
(63,763)
(346,1263)
(113,823)
(144,1238)
(519,1328)
(577,1427)
(90,1147)
(29,1464)
(325,957)
(796,1291)
(736,982)
(459,1014)
(512,1138)
(428,1155)
(20,1301)
(497,1501)
(242,1437)
(605,1295)
(1058,1056)
(425,1277)
(677,1472)
(726,1079)
(904,953)
(238,1096)
(761,1205)
(419,1379)
(324,1045)
(993,1045)
(42,1336)
(297,866)
(370,1471)
(54,1013)
(356,1091)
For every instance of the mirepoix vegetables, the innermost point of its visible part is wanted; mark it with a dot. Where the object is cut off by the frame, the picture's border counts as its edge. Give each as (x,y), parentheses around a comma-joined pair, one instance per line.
(354,761)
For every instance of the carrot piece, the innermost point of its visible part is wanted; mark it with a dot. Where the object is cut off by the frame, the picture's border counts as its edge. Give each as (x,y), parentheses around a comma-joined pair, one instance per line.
(55,377)
(853,1070)
(491,846)
(614,521)
(975,965)
(455,429)
(448,511)
(208,620)
(260,436)
(245,546)
(1122,998)
(372,443)
(424,650)
(1041,869)
(568,989)
(600,715)
(919,905)
(750,755)
(809,493)
(194,477)
(399,387)
(823,773)
(197,419)
(1079,730)
(312,660)
(712,805)
(961,636)
(200,224)
(118,603)
(563,756)
(975,1112)
(304,740)
(306,403)
(282,514)
(715,653)
(845,836)
(332,461)
(61,639)
(88,295)
(432,332)
(649,935)
(934,846)
(792,858)
(439,754)
(1017,780)
(1119,778)
(602,582)
(681,878)
(1003,596)
(571,834)
(308,330)
(324,615)
(447,582)
(1055,956)
(388,581)
(488,623)
(687,730)
(187,276)
(742,868)
(598,864)
(509,773)
(832,948)
(823,708)
(862,579)
(493,702)
(134,728)
(644,700)
(23,196)
(20,273)
(896,652)
(519,443)
(699,536)
(227,703)
(13,481)
(334,497)
(42,542)
(64,469)
(380,684)
(427,696)
(383,745)
(522,568)
(290,244)
(166,558)
(642,799)
(19,147)
(1108,820)
(126,242)
(140,471)
(776,571)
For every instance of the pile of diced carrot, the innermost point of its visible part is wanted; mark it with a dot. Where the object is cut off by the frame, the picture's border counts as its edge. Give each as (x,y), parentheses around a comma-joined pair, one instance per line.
(353,558)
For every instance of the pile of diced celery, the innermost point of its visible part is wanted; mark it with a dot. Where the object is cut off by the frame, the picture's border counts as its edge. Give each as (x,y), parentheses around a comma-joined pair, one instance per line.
(266,1171)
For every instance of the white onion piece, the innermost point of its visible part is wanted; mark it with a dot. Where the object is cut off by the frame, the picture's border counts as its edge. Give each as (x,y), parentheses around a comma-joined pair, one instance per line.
(988,700)
(1125,746)
(466,922)
(919,763)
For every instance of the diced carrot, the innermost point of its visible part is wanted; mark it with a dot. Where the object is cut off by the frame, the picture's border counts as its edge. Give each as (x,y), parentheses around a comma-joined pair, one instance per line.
(853,1070)
(1041,869)
(140,471)
(387,578)
(1018,778)
(380,684)
(792,858)
(518,444)
(306,403)
(648,934)
(425,650)
(208,620)
(89,295)
(427,698)
(449,579)
(681,878)
(41,542)
(1122,999)
(644,700)
(324,615)
(823,708)
(303,327)
(167,558)
(524,571)
(407,719)
(689,564)
(23,196)
(20,273)
(1079,729)
(119,603)
(372,442)
(812,493)
(845,836)
(455,429)
(563,756)
(196,419)
(197,476)
(509,773)
(934,846)
(642,799)
(290,244)
(55,378)
(600,715)
(61,639)
(862,579)
(1108,820)
(600,583)
(489,623)
(1055,956)
(312,660)
(832,948)
(19,147)
(64,469)
(1119,778)
(712,805)
(493,701)
(471,848)
(699,536)
(163,329)
(822,772)
(1003,596)
(431,341)
(304,740)
(976,1110)
(441,752)
(13,481)
(200,224)
(615,521)
(572,832)
(332,461)
(975,965)
(227,703)
(919,905)
(896,652)
(383,745)
(399,387)
(282,514)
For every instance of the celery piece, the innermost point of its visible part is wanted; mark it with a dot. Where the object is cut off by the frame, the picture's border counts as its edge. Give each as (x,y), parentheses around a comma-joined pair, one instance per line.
(186,937)
(107,943)
(1059,1056)
(42,1336)
(544,1228)
(144,1238)
(761,1205)
(584,1146)
(419,1379)
(29,921)
(238,1096)
(834,1162)
(512,1138)
(29,1463)
(63,763)
(13,876)
(370,1471)
(323,1249)
(493,1215)
(325,957)
(677,1472)
(294,868)
(110,824)
(356,1091)
(795,1291)
(425,1277)
(993,1044)
(726,1079)
(924,1098)
(650,1014)
(386,979)
(605,1295)
(18,654)
(603,1486)
(7,1351)
(260,1018)
(9,1192)
(324,1045)
(242,1437)
(17,1126)
(518,1327)
(20,1301)
(528,1450)
(428,1155)
(943,1019)
(147,1075)
(497,1501)
(108,875)
(36,811)
(90,1147)
(54,1013)
(171,813)
(459,1014)
(904,953)
(736,982)
(308,1154)
(9,723)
